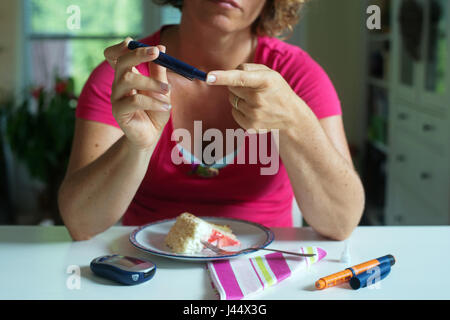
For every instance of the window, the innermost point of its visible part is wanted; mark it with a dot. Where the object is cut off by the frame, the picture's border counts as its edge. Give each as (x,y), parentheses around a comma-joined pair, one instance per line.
(67,37)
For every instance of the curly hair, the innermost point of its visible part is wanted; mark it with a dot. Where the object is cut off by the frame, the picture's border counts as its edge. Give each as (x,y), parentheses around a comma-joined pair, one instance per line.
(276,18)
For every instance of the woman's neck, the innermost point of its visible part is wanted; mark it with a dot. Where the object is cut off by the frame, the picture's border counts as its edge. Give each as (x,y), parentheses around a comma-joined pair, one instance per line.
(207,49)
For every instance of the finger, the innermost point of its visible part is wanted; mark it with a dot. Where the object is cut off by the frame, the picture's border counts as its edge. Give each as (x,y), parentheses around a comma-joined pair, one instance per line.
(241,105)
(133,91)
(243,92)
(252,67)
(130,81)
(240,118)
(113,53)
(137,102)
(163,98)
(238,78)
(156,71)
(159,73)
(134,58)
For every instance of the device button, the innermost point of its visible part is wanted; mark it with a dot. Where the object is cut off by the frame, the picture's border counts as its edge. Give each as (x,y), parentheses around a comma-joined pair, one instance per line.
(135,277)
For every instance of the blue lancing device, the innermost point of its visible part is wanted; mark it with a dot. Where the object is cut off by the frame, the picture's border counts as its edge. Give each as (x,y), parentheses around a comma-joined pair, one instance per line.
(123,269)
(172,63)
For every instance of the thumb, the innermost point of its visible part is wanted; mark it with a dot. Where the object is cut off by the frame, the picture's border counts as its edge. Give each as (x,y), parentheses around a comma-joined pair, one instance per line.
(159,73)
(156,71)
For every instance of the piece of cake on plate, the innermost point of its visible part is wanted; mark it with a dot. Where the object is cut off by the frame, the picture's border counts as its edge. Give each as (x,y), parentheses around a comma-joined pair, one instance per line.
(188,230)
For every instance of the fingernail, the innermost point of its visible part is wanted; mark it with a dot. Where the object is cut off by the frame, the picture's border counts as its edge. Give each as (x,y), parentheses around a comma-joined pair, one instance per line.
(151,51)
(127,41)
(167,107)
(165,87)
(211,78)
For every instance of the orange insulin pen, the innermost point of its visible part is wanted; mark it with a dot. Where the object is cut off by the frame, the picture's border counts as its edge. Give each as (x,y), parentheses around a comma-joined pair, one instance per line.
(345,276)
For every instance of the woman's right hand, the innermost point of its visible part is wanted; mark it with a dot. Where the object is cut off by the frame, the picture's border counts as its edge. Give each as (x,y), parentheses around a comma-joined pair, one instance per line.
(140,104)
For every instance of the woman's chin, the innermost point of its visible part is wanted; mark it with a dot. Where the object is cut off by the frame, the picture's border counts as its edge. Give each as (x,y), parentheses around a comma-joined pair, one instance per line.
(222,24)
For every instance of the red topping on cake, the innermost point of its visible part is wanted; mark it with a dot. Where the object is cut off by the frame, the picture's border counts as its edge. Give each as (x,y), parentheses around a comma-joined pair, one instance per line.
(221,240)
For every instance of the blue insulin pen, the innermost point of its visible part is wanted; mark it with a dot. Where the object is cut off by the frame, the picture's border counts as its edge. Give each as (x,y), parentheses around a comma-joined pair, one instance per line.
(172,63)
(370,276)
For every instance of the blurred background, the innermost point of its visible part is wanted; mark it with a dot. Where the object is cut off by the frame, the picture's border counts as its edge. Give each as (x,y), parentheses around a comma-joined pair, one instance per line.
(393,82)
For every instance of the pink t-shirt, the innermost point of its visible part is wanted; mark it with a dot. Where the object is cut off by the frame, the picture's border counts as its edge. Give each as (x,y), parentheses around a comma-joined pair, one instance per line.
(239,190)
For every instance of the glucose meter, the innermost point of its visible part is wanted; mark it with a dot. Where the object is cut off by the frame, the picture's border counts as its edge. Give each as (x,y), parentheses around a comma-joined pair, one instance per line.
(123,269)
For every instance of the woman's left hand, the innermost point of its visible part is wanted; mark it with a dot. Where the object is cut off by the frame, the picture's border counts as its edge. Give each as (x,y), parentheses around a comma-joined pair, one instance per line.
(260,97)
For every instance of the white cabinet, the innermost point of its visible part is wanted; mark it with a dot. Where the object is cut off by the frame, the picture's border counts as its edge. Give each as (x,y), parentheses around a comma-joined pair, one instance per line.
(418,174)
(408,210)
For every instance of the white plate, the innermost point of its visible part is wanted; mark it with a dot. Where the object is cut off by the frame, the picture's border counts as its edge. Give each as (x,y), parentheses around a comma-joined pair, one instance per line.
(150,238)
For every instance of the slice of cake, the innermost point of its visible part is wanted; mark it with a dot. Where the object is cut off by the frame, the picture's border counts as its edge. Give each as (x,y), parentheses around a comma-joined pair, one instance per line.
(188,230)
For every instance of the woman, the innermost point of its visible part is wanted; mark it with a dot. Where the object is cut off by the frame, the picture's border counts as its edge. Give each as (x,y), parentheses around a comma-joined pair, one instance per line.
(122,163)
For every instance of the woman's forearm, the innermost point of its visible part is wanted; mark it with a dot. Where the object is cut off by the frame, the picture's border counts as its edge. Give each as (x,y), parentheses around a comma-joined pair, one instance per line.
(95,197)
(326,186)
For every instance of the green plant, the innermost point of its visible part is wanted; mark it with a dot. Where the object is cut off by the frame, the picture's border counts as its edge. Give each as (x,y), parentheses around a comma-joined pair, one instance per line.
(39,130)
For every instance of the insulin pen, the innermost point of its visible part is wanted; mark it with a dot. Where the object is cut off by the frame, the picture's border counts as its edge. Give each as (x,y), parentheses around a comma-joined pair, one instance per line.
(345,275)
(172,63)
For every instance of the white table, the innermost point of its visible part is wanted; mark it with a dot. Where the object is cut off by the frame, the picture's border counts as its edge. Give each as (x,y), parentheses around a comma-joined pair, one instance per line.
(34,264)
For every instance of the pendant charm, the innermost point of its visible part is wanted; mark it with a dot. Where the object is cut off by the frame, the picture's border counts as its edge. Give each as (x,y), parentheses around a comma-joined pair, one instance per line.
(205,172)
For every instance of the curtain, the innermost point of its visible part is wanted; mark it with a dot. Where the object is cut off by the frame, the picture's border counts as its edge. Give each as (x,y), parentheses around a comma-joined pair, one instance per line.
(50,58)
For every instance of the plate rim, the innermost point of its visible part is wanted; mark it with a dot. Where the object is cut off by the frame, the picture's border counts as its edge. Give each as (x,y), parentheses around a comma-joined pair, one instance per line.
(132,238)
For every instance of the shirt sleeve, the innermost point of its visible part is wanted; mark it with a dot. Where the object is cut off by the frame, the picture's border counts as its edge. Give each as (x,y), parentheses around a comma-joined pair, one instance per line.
(311,83)
(94,102)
